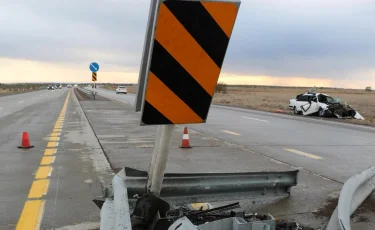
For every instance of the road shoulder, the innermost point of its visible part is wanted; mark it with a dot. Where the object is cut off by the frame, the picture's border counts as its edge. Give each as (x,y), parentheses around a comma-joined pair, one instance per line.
(80,169)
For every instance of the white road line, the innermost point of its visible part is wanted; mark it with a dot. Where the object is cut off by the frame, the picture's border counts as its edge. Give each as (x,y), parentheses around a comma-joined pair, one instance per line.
(230,132)
(304,154)
(21,102)
(254,119)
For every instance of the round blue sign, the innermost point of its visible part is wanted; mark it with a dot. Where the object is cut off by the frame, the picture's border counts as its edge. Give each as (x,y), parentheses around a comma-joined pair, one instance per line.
(94,67)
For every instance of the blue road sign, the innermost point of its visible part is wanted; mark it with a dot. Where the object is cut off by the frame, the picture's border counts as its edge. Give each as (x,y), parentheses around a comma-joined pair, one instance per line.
(94,67)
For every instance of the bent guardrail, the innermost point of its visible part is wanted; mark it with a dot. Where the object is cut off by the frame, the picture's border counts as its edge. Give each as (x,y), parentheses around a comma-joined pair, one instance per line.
(184,188)
(355,190)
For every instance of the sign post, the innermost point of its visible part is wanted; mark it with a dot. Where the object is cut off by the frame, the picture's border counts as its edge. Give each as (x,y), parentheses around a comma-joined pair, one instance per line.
(94,67)
(187,45)
(147,46)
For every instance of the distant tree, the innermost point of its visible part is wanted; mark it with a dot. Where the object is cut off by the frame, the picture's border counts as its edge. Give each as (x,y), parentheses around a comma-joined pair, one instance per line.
(225,88)
(221,87)
(368,89)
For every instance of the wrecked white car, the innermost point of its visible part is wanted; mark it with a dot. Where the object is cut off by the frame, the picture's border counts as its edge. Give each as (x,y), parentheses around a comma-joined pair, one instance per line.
(322,105)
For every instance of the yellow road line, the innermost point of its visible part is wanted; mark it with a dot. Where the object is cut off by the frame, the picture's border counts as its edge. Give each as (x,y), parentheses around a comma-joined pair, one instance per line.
(49,152)
(43,172)
(55,134)
(230,132)
(52,144)
(304,154)
(39,188)
(54,138)
(47,160)
(32,213)
(31,216)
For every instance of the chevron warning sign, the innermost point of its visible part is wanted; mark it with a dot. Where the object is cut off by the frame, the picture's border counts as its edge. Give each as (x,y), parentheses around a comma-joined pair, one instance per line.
(189,45)
(94,76)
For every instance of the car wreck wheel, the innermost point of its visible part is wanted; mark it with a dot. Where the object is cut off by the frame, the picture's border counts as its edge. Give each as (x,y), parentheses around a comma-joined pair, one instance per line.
(295,110)
(322,113)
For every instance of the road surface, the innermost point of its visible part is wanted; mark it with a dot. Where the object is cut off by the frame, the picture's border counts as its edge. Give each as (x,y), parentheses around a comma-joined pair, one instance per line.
(333,150)
(59,176)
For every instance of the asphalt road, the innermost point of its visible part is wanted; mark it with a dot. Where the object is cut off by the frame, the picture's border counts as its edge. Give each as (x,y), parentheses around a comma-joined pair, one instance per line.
(52,185)
(331,149)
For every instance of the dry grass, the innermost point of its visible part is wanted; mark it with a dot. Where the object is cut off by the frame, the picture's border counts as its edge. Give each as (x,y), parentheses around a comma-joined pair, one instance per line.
(272,99)
(16,89)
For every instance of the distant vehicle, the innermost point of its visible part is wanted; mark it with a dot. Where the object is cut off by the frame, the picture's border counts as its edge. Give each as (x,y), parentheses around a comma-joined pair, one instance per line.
(58,86)
(69,86)
(50,87)
(121,89)
(75,85)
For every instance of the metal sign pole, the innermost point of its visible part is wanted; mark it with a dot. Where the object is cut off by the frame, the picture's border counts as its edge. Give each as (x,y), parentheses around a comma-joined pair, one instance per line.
(154,156)
(161,158)
(146,55)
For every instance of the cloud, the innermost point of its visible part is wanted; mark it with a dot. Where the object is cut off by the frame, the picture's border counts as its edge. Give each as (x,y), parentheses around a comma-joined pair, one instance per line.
(314,39)
(304,38)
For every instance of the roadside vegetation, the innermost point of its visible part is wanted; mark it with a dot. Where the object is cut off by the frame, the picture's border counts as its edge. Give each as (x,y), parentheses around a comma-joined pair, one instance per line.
(6,89)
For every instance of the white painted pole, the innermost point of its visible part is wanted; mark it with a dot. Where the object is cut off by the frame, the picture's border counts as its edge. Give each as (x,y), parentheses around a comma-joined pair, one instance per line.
(162,158)
(154,156)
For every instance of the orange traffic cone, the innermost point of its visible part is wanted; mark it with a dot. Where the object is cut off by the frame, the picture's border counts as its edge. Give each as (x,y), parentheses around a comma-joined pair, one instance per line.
(25,141)
(185,139)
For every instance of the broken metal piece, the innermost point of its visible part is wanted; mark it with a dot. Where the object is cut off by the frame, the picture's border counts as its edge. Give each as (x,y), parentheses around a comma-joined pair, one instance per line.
(218,209)
(98,203)
(148,210)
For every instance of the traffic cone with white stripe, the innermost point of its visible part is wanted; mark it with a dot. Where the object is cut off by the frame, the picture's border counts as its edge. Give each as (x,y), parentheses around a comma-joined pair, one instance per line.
(185,139)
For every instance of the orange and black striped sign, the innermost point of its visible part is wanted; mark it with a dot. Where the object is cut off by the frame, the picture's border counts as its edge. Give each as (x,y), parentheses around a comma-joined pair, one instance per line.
(94,76)
(189,45)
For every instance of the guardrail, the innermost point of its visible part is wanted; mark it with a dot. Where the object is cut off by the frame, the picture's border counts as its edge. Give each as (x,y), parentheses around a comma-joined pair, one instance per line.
(184,188)
(88,92)
(355,190)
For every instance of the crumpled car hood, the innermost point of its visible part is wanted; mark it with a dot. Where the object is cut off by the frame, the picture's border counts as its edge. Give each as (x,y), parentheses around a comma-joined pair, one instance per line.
(343,111)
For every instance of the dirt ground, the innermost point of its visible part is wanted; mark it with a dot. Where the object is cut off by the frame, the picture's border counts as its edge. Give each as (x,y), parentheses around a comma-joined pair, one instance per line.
(273,99)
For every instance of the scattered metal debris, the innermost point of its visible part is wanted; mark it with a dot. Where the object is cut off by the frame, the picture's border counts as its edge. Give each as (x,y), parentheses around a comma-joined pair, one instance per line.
(153,213)
(284,225)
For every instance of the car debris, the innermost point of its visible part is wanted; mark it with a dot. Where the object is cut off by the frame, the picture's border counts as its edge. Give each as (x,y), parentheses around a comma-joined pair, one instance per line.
(153,213)
(322,105)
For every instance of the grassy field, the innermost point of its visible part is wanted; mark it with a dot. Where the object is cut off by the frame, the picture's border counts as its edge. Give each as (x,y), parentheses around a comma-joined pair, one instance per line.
(277,98)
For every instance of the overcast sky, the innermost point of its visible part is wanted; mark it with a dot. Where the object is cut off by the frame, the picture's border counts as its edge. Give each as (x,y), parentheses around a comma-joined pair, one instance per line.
(331,42)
